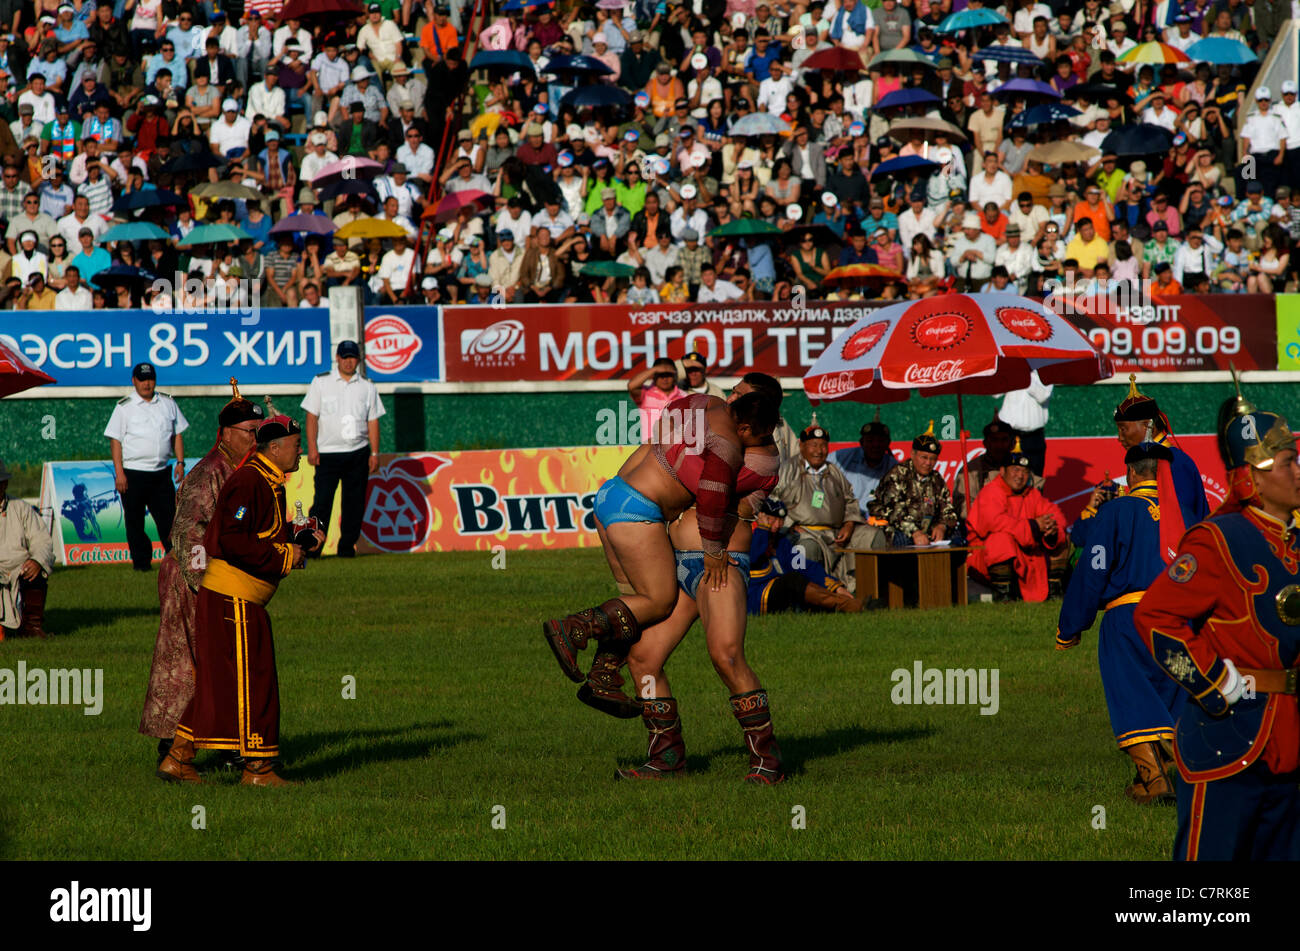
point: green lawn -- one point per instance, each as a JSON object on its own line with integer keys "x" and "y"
{"x": 461, "y": 708}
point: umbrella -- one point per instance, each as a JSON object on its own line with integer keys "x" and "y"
{"x": 1008, "y": 54}
{"x": 834, "y": 57}
{"x": 1221, "y": 50}
{"x": 298, "y": 223}
{"x": 133, "y": 231}
{"x": 578, "y": 64}
{"x": 902, "y": 129}
{"x": 214, "y": 234}
{"x": 345, "y": 186}
{"x": 149, "y": 198}
{"x": 450, "y": 205}
{"x": 371, "y": 228}
{"x": 904, "y": 163}
{"x": 123, "y": 275}
{"x": 226, "y": 190}
{"x": 17, "y": 373}
{"x": 595, "y": 96}
{"x": 1058, "y": 153}
{"x": 1142, "y": 139}
{"x": 1154, "y": 53}
{"x": 856, "y": 274}
{"x": 744, "y": 228}
{"x": 1044, "y": 115}
{"x": 192, "y": 162}
{"x": 347, "y": 169}
{"x": 820, "y": 234}
{"x": 320, "y": 9}
{"x": 501, "y": 59}
{"x": 1026, "y": 87}
{"x": 906, "y": 97}
{"x": 902, "y": 57}
{"x": 512, "y": 5}
{"x": 958, "y": 344}
{"x": 760, "y": 123}
{"x": 606, "y": 269}
{"x": 968, "y": 19}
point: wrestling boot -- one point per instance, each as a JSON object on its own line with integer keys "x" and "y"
{"x": 754, "y": 715}
{"x": 569, "y": 636}
{"x": 178, "y": 765}
{"x": 164, "y": 747}
{"x": 1002, "y": 578}
{"x": 604, "y": 687}
{"x": 667, "y": 751}
{"x": 1151, "y": 784}
{"x": 226, "y": 761}
{"x": 33, "y": 613}
{"x": 264, "y": 772}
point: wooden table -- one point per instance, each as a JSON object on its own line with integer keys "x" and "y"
{"x": 929, "y": 577}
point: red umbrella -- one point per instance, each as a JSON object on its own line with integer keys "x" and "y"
{"x": 318, "y": 9}
{"x": 17, "y": 373}
{"x": 834, "y": 57}
{"x": 854, "y": 274}
{"x": 953, "y": 344}
{"x": 347, "y": 169}
{"x": 450, "y": 205}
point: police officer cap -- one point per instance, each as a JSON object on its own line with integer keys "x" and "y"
{"x": 144, "y": 371}
{"x": 348, "y": 348}
{"x": 926, "y": 441}
{"x": 1148, "y": 450}
{"x": 1136, "y": 406}
{"x": 997, "y": 428}
{"x": 1255, "y": 439}
{"x": 813, "y": 432}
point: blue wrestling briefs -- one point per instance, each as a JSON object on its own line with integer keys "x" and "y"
{"x": 619, "y": 502}
{"x": 690, "y": 568}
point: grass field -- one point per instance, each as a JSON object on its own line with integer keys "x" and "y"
{"x": 461, "y": 708}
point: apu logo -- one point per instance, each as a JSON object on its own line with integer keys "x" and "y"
{"x": 863, "y": 340}
{"x": 497, "y": 345}
{"x": 391, "y": 344}
{"x": 941, "y": 331}
{"x": 1025, "y": 324}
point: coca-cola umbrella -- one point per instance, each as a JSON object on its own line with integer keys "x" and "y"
{"x": 958, "y": 344}
{"x": 17, "y": 373}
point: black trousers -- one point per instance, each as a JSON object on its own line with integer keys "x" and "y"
{"x": 1034, "y": 445}
{"x": 154, "y": 491}
{"x": 353, "y": 470}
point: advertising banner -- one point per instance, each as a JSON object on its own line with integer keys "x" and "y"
{"x": 1288, "y": 331}
{"x": 99, "y": 348}
{"x": 1185, "y": 333}
{"x": 403, "y": 344}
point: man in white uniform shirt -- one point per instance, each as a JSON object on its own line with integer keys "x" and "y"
{"x": 143, "y": 433}
{"x": 343, "y": 410}
{"x": 1264, "y": 137}
{"x": 1025, "y": 411}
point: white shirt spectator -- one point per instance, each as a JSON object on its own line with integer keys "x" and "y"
{"x": 1018, "y": 262}
{"x": 282, "y": 36}
{"x": 145, "y": 430}
{"x": 977, "y": 270}
{"x": 397, "y": 267}
{"x": 910, "y": 225}
{"x": 263, "y": 101}
{"x": 720, "y": 292}
{"x": 997, "y": 191}
{"x": 379, "y": 44}
{"x": 330, "y": 73}
{"x": 313, "y": 163}
{"x": 418, "y": 162}
{"x": 1265, "y": 132}
{"x": 520, "y": 227}
{"x": 70, "y": 227}
{"x": 406, "y": 193}
{"x": 344, "y": 409}
{"x": 68, "y": 299}
{"x": 679, "y": 221}
{"x": 42, "y": 106}
{"x": 1023, "y": 22}
{"x": 1026, "y": 410}
{"x": 561, "y": 223}
{"x": 772, "y": 94}
{"x": 1189, "y": 261}
{"x": 1165, "y": 118}
{"x": 230, "y": 135}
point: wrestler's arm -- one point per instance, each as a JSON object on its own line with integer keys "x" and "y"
{"x": 246, "y": 515}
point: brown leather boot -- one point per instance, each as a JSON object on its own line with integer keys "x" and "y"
{"x": 1002, "y": 579}
{"x": 264, "y": 772}
{"x": 604, "y": 687}
{"x": 33, "y": 613}
{"x": 1151, "y": 784}
{"x": 178, "y": 765}
{"x": 568, "y": 636}
{"x": 820, "y": 597}
{"x": 667, "y": 751}
{"x": 754, "y": 714}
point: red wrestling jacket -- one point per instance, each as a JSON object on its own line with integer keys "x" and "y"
{"x": 249, "y": 540}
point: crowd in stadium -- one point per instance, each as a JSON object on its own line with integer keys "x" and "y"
{"x": 647, "y": 152}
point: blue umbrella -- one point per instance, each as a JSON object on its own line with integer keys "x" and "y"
{"x": 512, "y": 5}
{"x": 906, "y": 97}
{"x": 968, "y": 19}
{"x": 501, "y": 59}
{"x": 578, "y": 64}
{"x": 1143, "y": 139}
{"x": 149, "y": 198}
{"x": 596, "y": 95}
{"x": 1045, "y": 114}
{"x": 904, "y": 163}
{"x": 1221, "y": 50}
{"x": 1030, "y": 87}
{"x": 133, "y": 277}
{"x": 355, "y": 186}
{"x": 133, "y": 231}
{"x": 760, "y": 123}
{"x": 1008, "y": 54}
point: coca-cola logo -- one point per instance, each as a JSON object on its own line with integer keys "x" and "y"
{"x": 391, "y": 344}
{"x": 941, "y": 331}
{"x": 930, "y": 374}
{"x": 836, "y": 384}
{"x": 1025, "y": 324}
{"x": 861, "y": 341}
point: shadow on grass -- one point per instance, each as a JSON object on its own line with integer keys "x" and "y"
{"x": 65, "y": 622}
{"x": 366, "y": 747}
{"x": 796, "y": 751}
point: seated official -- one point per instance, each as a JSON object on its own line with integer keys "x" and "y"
{"x": 822, "y": 508}
{"x": 987, "y": 466}
{"x": 26, "y": 559}
{"x": 912, "y": 499}
{"x": 865, "y": 464}
{"x": 782, "y": 577}
{"x": 1023, "y": 535}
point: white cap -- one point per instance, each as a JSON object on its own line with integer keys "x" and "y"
{"x": 829, "y": 199}
{"x": 689, "y": 190}
{"x": 430, "y": 283}
{"x": 229, "y": 105}
{"x": 359, "y": 73}
{"x": 1288, "y": 86}
{"x": 320, "y": 119}
{"x": 970, "y": 220}
{"x": 1263, "y": 93}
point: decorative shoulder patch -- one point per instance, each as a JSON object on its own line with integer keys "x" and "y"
{"x": 1183, "y": 568}
{"x": 123, "y": 401}
{"x": 239, "y": 514}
